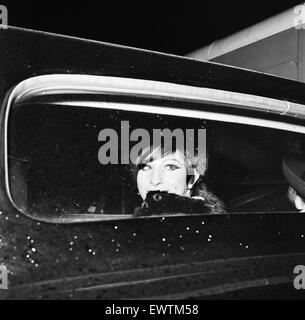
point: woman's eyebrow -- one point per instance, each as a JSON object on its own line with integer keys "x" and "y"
{"x": 172, "y": 159}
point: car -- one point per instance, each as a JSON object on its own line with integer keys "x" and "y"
{"x": 67, "y": 223}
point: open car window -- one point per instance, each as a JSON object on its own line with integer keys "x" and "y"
{"x": 64, "y": 164}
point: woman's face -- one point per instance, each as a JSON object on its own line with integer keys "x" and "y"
{"x": 164, "y": 174}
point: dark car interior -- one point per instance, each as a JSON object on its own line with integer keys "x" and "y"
{"x": 54, "y": 167}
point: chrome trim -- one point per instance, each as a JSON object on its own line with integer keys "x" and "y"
{"x": 91, "y": 84}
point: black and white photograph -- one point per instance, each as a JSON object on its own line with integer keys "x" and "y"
{"x": 152, "y": 153}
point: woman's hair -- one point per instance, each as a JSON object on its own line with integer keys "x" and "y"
{"x": 194, "y": 162}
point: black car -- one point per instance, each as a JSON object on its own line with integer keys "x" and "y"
{"x": 67, "y": 222}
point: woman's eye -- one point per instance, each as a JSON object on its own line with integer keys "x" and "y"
{"x": 171, "y": 167}
{"x": 144, "y": 167}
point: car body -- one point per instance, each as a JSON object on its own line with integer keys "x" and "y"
{"x": 248, "y": 253}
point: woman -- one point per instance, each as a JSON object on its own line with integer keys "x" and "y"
{"x": 175, "y": 176}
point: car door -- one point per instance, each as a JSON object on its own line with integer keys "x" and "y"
{"x": 67, "y": 222}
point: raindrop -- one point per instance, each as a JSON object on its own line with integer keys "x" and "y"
{"x": 202, "y": 222}
{"x": 187, "y": 228}
{"x": 197, "y": 231}
{"x": 34, "y": 249}
{"x": 115, "y": 227}
{"x": 163, "y": 239}
{"x": 182, "y": 248}
{"x": 134, "y": 234}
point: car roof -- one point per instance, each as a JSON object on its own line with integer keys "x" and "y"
{"x": 27, "y": 53}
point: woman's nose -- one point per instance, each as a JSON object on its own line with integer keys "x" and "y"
{"x": 156, "y": 177}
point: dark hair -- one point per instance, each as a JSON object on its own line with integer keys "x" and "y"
{"x": 200, "y": 189}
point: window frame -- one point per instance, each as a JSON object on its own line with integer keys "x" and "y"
{"x": 63, "y": 84}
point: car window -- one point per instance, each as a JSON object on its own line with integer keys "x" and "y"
{"x": 85, "y": 148}
{"x": 62, "y": 161}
